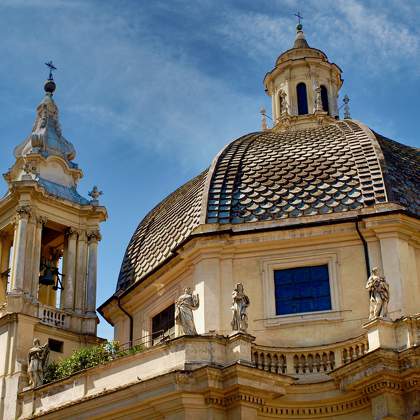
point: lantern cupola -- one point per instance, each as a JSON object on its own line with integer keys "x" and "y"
{"x": 303, "y": 86}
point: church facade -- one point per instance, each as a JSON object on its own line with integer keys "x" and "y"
{"x": 281, "y": 282}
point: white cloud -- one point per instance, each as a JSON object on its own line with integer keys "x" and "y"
{"x": 123, "y": 80}
{"x": 354, "y": 32}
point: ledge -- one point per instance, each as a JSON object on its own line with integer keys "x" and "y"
{"x": 186, "y": 353}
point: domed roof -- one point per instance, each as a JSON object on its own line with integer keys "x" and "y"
{"x": 280, "y": 178}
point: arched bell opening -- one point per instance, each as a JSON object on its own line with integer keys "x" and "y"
{"x": 50, "y": 279}
{"x": 324, "y": 99}
{"x": 302, "y": 99}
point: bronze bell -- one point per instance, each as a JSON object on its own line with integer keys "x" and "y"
{"x": 47, "y": 278}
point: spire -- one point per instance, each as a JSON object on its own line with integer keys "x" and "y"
{"x": 300, "y": 41}
{"x": 46, "y": 137}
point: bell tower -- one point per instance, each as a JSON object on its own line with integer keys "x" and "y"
{"x": 303, "y": 86}
{"x": 49, "y": 236}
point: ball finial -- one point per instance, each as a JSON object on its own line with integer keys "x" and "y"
{"x": 49, "y": 86}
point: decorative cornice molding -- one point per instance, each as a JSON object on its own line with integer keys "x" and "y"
{"x": 306, "y": 411}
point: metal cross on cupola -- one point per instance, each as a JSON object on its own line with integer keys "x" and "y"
{"x": 52, "y": 68}
{"x": 299, "y": 16}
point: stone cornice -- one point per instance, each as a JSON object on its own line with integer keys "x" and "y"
{"x": 38, "y": 193}
{"x": 381, "y": 371}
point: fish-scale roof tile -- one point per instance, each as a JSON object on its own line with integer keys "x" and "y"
{"x": 278, "y": 175}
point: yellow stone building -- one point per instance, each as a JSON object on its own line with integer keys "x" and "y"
{"x": 299, "y": 214}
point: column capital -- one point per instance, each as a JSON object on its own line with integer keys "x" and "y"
{"x": 93, "y": 236}
{"x": 72, "y": 233}
{"x": 23, "y": 212}
{"x": 41, "y": 221}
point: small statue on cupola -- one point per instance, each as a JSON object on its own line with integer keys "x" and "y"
{"x": 378, "y": 295}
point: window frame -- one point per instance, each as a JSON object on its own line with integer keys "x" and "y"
{"x": 159, "y": 337}
{"x": 270, "y": 265}
{"x": 281, "y": 284}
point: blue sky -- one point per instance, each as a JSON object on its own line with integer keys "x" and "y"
{"x": 149, "y": 91}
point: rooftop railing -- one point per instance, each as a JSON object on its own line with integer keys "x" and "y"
{"x": 311, "y": 363}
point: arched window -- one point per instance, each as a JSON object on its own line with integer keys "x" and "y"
{"x": 324, "y": 99}
{"x": 302, "y": 99}
{"x": 280, "y": 103}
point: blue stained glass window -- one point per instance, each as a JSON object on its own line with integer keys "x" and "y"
{"x": 302, "y": 289}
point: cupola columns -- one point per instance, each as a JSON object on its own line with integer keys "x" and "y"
{"x": 303, "y": 83}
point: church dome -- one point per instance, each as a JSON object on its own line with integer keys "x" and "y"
{"x": 276, "y": 179}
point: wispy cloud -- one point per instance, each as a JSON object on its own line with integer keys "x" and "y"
{"x": 132, "y": 85}
{"x": 354, "y": 32}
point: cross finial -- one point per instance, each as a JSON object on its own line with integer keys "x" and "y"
{"x": 299, "y": 16}
{"x": 52, "y": 68}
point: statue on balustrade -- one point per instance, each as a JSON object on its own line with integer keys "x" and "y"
{"x": 378, "y": 295}
{"x": 184, "y": 307}
{"x": 240, "y": 303}
{"x": 37, "y": 363}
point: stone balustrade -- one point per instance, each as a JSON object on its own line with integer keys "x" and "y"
{"x": 53, "y": 316}
{"x": 309, "y": 362}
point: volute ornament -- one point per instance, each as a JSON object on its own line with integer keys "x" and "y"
{"x": 378, "y": 295}
{"x": 184, "y": 307}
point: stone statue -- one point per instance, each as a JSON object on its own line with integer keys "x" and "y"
{"x": 184, "y": 307}
{"x": 240, "y": 303}
{"x": 318, "y": 99}
{"x": 37, "y": 363}
{"x": 378, "y": 295}
{"x": 284, "y": 108}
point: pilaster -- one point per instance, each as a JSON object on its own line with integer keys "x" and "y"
{"x": 70, "y": 273}
{"x": 93, "y": 238}
{"x": 79, "y": 303}
{"x": 29, "y": 257}
{"x": 36, "y": 258}
{"x": 19, "y": 248}
{"x": 207, "y": 285}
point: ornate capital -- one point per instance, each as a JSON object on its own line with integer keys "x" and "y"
{"x": 23, "y": 212}
{"x": 41, "y": 221}
{"x": 71, "y": 232}
{"x": 93, "y": 236}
